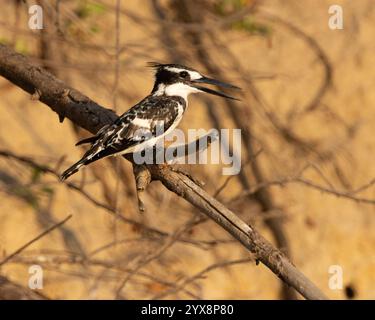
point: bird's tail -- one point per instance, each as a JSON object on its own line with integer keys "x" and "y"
{"x": 92, "y": 155}
{"x": 73, "y": 169}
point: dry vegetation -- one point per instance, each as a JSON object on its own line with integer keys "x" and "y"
{"x": 307, "y": 181}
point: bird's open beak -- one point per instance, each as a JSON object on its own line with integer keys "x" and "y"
{"x": 216, "y": 83}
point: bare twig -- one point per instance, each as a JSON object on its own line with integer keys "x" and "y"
{"x": 321, "y": 55}
{"x": 350, "y": 195}
{"x": 45, "y": 232}
{"x": 54, "y": 261}
{"x": 156, "y": 254}
{"x": 111, "y": 210}
{"x": 13, "y": 291}
{"x": 199, "y": 275}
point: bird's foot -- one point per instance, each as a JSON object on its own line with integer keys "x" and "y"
{"x": 142, "y": 180}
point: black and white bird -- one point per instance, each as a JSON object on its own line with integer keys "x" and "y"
{"x": 138, "y": 128}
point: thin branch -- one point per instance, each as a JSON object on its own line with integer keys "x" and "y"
{"x": 56, "y": 261}
{"x": 350, "y": 195}
{"x": 321, "y": 55}
{"x": 172, "y": 239}
{"x": 153, "y": 231}
{"x": 199, "y": 275}
{"x": 13, "y": 291}
{"x": 44, "y": 233}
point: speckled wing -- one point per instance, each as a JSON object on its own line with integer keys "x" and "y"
{"x": 146, "y": 120}
{"x": 150, "y": 118}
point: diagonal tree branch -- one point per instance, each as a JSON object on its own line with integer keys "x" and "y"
{"x": 27, "y": 244}
{"x": 14, "y": 291}
{"x": 84, "y": 112}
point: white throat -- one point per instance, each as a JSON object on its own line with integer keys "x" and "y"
{"x": 177, "y": 89}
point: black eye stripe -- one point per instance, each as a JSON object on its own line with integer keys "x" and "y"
{"x": 184, "y": 74}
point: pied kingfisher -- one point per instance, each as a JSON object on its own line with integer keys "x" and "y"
{"x": 137, "y": 128}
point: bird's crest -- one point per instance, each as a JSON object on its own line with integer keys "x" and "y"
{"x": 154, "y": 65}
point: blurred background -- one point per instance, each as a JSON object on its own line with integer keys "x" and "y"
{"x": 307, "y": 118}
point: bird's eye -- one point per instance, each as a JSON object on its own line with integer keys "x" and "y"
{"x": 184, "y": 74}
